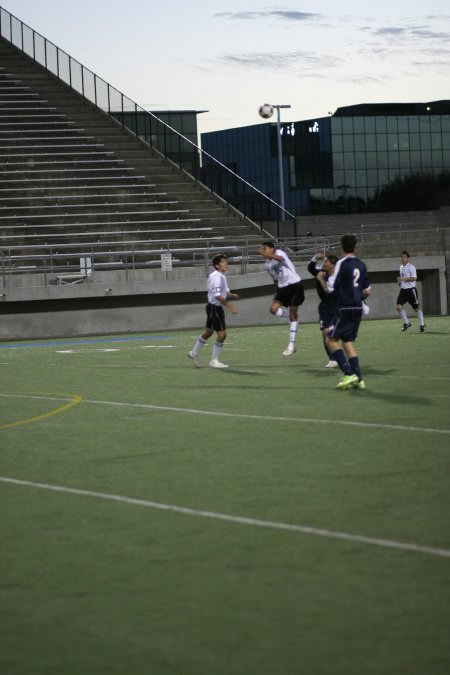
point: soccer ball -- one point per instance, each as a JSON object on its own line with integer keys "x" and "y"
{"x": 265, "y": 110}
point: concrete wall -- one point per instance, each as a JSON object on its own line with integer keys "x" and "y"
{"x": 160, "y": 301}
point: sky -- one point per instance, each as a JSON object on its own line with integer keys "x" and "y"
{"x": 227, "y": 57}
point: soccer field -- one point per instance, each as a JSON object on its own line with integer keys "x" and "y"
{"x": 159, "y": 519}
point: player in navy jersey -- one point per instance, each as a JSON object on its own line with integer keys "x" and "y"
{"x": 350, "y": 284}
{"x": 327, "y": 305}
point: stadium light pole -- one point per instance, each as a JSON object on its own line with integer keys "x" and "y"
{"x": 266, "y": 111}
{"x": 280, "y": 157}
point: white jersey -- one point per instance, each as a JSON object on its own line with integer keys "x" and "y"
{"x": 217, "y": 285}
{"x": 282, "y": 271}
{"x": 408, "y": 270}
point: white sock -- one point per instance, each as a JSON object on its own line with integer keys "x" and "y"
{"x": 282, "y": 311}
{"x": 198, "y": 345}
{"x": 421, "y": 320}
{"x": 404, "y": 316}
{"x": 217, "y": 350}
{"x": 293, "y": 327}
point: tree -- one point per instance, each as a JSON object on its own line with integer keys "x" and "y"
{"x": 417, "y": 192}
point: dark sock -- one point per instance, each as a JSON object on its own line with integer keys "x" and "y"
{"x": 330, "y": 353}
{"x": 354, "y": 366}
{"x": 339, "y": 356}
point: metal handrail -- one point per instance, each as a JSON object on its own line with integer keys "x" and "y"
{"x": 200, "y": 165}
{"x": 48, "y": 260}
{"x": 3, "y": 268}
{"x": 51, "y": 264}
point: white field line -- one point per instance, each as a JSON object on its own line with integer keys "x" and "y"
{"x": 214, "y": 413}
{"x": 231, "y": 349}
{"x": 83, "y": 351}
{"x": 115, "y": 349}
{"x": 239, "y": 520}
{"x": 304, "y": 420}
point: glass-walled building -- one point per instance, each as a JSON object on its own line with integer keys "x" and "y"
{"x": 338, "y": 162}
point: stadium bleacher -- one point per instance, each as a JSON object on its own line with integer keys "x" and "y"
{"x": 75, "y": 183}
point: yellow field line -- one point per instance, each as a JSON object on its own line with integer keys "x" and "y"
{"x": 37, "y": 418}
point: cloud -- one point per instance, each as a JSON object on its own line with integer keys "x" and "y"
{"x": 409, "y": 31}
{"x": 438, "y": 17}
{"x": 429, "y": 34}
{"x": 367, "y": 79}
{"x": 426, "y": 64}
{"x": 282, "y": 60}
{"x": 284, "y": 14}
{"x": 438, "y": 51}
{"x": 390, "y": 30}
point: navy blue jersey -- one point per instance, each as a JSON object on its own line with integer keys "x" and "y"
{"x": 349, "y": 280}
{"x": 326, "y": 298}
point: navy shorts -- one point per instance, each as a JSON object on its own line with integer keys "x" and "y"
{"x": 346, "y": 323}
{"x": 215, "y": 317}
{"x": 326, "y": 315}
{"x": 408, "y": 295}
{"x": 292, "y": 295}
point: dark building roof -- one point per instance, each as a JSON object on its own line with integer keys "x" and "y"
{"x": 368, "y": 109}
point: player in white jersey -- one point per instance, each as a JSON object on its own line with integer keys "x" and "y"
{"x": 218, "y": 296}
{"x": 289, "y": 289}
{"x": 408, "y": 293}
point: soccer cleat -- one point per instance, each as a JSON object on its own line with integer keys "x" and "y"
{"x": 332, "y": 364}
{"x": 290, "y": 349}
{"x": 347, "y": 382}
{"x": 359, "y": 385}
{"x": 422, "y": 328}
{"x": 215, "y": 363}
{"x": 406, "y": 326}
{"x": 194, "y": 359}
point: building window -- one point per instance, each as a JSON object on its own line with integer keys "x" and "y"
{"x": 360, "y": 160}
{"x": 391, "y": 125}
{"x": 349, "y": 160}
{"x": 393, "y": 160}
{"x": 371, "y": 142}
{"x": 337, "y": 143}
{"x": 360, "y": 143}
{"x": 347, "y": 125}
{"x": 392, "y": 140}
{"x": 348, "y": 142}
{"x": 380, "y": 125}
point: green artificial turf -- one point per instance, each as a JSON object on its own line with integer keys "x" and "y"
{"x": 91, "y": 585}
